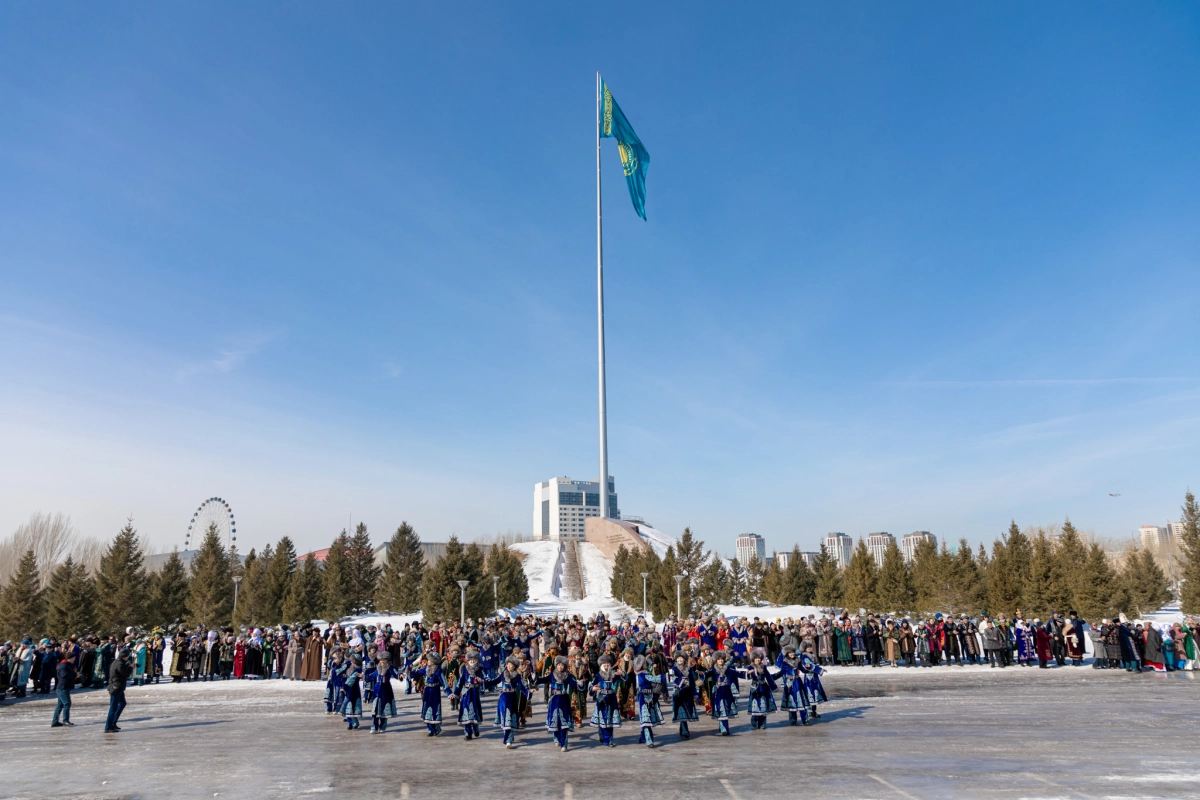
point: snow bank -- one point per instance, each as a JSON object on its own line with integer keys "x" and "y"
{"x": 769, "y": 613}
{"x": 543, "y": 568}
{"x": 597, "y": 572}
{"x": 656, "y": 539}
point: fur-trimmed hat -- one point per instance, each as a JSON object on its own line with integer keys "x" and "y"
{"x": 639, "y": 663}
{"x": 560, "y": 660}
{"x": 606, "y": 659}
{"x": 433, "y": 659}
{"x": 384, "y": 655}
{"x": 512, "y": 662}
{"x": 472, "y": 653}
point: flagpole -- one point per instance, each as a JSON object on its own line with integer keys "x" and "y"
{"x": 600, "y": 321}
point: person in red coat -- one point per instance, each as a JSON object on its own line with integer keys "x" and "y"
{"x": 1041, "y": 639}
{"x": 239, "y": 657}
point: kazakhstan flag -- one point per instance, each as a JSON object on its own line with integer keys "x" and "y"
{"x": 634, "y": 157}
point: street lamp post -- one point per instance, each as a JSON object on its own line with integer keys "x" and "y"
{"x": 678, "y": 597}
{"x": 462, "y": 617}
{"x": 496, "y": 593}
{"x": 237, "y": 579}
{"x": 644, "y": 576}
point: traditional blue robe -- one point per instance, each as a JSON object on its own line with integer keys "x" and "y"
{"x": 761, "y": 700}
{"x": 470, "y": 711}
{"x": 812, "y": 679}
{"x": 605, "y": 713}
{"x": 724, "y": 703}
{"x": 740, "y": 640}
{"x": 511, "y": 687}
{"x": 381, "y": 689}
{"x": 795, "y": 695}
{"x": 431, "y": 696}
{"x": 682, "y": 686}
{"x": 352, "y": 699}
{"x": 558, "y": 707}
{"x": 649, "y": 714}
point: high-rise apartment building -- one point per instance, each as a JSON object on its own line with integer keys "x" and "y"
{"x": 878, "y": 544}
{"x": 840, "y": 546}
{"x": 751, "y": 545}
{"x": 1154, "y": 536}
{"x": 1175, "y": 530}
{"x": 908, "y": 545}
{"x": 561, "y": 506}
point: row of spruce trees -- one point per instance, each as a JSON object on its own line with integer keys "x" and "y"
{"x": 275, "y": 586}
{"x": 1035, "y": 573}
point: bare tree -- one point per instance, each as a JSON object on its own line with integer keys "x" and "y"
{"x": 50, "y": 536}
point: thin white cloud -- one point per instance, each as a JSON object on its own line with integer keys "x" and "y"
{"x": 230, "y": 357}
{"x": 1018, "y": 382}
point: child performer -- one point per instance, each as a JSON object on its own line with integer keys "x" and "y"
{"x": 559, "y": 687}
{"x": 724, "y": 683}
{"x": 795, "y": 696}
{"x": 352, "y": 699}
{"x": 489, "y": 659}
{"x": 681, "y": 680}
{"x": 431, "y": 695}
{"x": 607, "y": 713}
{"x": 466, "y": 689}
{"x": 762, "y": 687}
{"x": 511, "y": 689}
{"x": 648, "y": 687}
{"x": 381, "y": 689}
{"x": 812, "y": 680}
{"x": 334, "y": 687}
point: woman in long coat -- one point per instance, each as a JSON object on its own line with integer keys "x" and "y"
{"x": 314, "y": 657}
{"x": 295, "y": 658}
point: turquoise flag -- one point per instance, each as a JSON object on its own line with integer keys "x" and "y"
{"x": 634, "y": 157}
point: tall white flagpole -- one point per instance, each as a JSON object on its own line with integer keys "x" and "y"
{"x": 600, "y": 320}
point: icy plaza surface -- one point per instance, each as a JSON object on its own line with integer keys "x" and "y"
{"x": 886, "y": 733}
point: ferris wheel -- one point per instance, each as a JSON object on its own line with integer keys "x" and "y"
{"x": 213, "y": 511}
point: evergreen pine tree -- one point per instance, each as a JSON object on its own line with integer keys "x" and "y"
{"x": 828, "y": 590}
{"x": 249, "y": 609}
{"x": 304, "y": 597}
{"x": 859, "y": 579}
{"x": 364, "y": 572}
{"x": 799, "y": 581}
{"x": 925, "y": 576}
{"x": 1145, "y": 584}
{"x": 970, "y": 595}
{"x": 22, "y": 603}
{"x": 691, "y": 559}
{"x": 773, "y": 589}
{"x": 121, "y": 583}
{"x": 277, "y": 582}
{"x": 441, "y": 593}
{"x": 400, "y": 584}
{"x": 1071, "y": 553}
{"x": 754, "y": 576}
{"x": 661, "y": 586}
{"x": 714, "y": 579}
{"x": 619, "y": 583}
{"x": 1007, "y": 574}
{"x": 1097, "y": 586}
{"x": 71, "y": 600}
{"x": 513, "y": 587}
{"x": 1189, "y": 556}
{"x": 892, "y": 589}
{"x": 336, "y": 580}
{"x": 735, "y": 591}
{"x": 210, "y": 590}
{"x": 168, "y": 598}
{"x": 1046, "y": 589}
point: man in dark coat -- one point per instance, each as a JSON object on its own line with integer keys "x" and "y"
{"x": 66, "y": 682}
{"x": 118, "y": 674}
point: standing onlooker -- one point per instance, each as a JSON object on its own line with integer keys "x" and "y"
{"x": 65, "y": 674}
{"x": 118, "y": 674}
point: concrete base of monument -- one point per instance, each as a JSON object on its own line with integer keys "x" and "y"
{"x": 1069, "y": 732}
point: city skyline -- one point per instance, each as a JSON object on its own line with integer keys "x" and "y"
{"x": 889, "y": 279}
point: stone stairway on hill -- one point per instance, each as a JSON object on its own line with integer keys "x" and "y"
{"x": 572, "y": 574}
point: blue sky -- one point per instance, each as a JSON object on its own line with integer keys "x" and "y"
{"x": 907, "y": 266}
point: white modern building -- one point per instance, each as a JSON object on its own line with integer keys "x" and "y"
{"x": 1154, "y": 536}
{"x": 908, "y": 545}
{"x": 751, "y": 545}
{"x": 1175, "y": 530}
{"x": 878, "y": 544}
{"x": 561, "y": 506}
{"x": 840, "y": 546}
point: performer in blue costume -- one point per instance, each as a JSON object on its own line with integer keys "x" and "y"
{"x": 762, "y": 686}
{"x": 489, "y": 659}
{"x": 606, "y": 713}
{"x": 649, "y": 687}
{"x": 738, "y": 642}
{"x": 511, "y": 688}
{"x": 795, "y": 697}
{"x": 560, "y": 684}
{"x": 812, "y": 672}
{"x": 725, "y": 684}
{"x": 352, "y": 699}
{"x": 384, "y": 699}
{"x": 431, "y": 695}
{"x": 335, "y": 685}
{"x": 681, "y": 682}
{"x": 471, "y": 681}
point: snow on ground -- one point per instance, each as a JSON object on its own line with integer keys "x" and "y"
{"x": 656, "y": 539}
{"x": 543, "y": 569}
{"x": 597, "y": 571}
{"x": 397, "y": 621}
